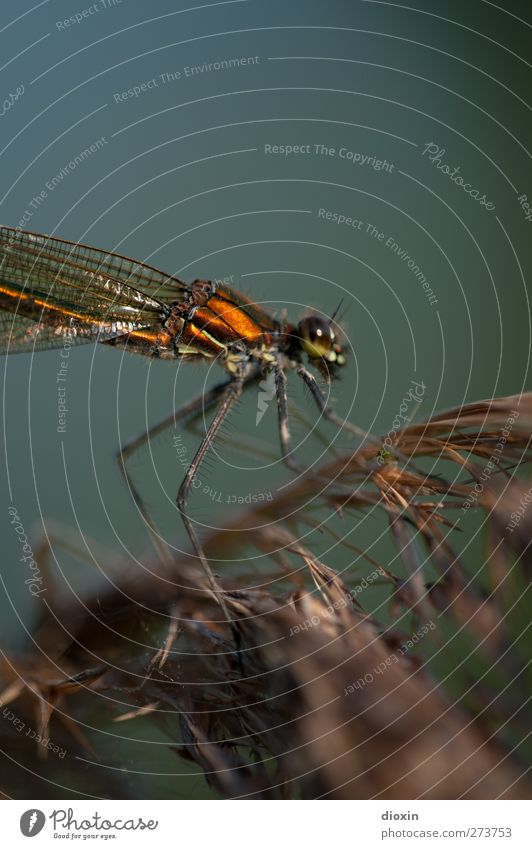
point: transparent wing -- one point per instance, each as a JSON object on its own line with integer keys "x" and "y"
{"x": 85, "y": 270}
{"x": 64, "y": 288}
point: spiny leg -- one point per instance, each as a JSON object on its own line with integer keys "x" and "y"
{"x": 192, "y": 408}
{"x": 329, "y": 414}
{"x": 287, "y": 450}
{"x": 326, "y": 411}
{"x": 231, "y": 393}
{"x": 284, "y": 430}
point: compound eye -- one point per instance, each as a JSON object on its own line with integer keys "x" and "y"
{"x": 318, "y": 340}
{"x": 317, "y": 336}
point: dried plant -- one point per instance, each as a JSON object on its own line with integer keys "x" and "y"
{"x": 425, "y": 698}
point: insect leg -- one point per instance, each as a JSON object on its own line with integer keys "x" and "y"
{"x": 284, "y": 430}
{"x": 192, "y": 408}
{"x": 329, "y": 414}
{"x": 326, "y": 411}
{"x": 231, "y": 392}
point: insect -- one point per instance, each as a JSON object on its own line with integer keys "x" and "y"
{"x": 52, "y": 288}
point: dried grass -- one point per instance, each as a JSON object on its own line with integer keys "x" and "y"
{"x": 319, "y": 701}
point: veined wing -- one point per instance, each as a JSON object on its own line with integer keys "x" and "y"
{"x": 74, "y": 290}
{"x": 76, "y": 261}
{"x": 19, "y": 334}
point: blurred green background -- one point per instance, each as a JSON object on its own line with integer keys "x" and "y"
{"x": 185, "y": 178}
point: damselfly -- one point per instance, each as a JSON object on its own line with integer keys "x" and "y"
{"x": 52, "y": 288}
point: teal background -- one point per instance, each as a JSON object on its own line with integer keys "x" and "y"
{"x": 183, "y": 182}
